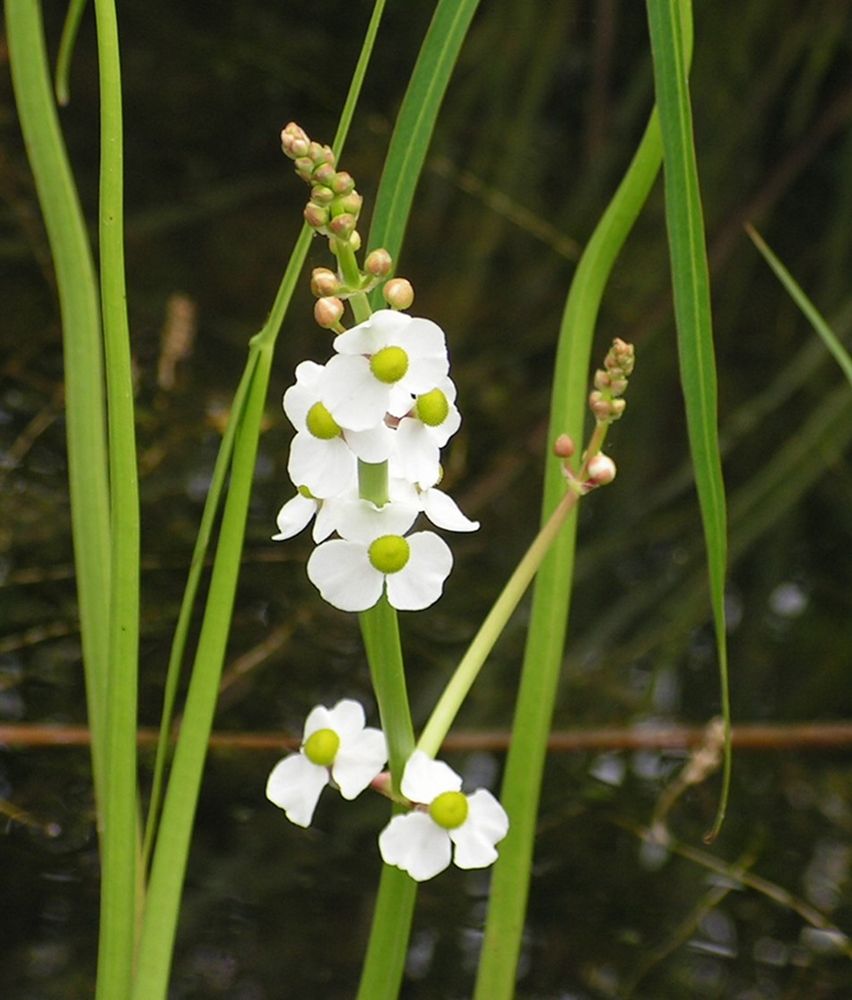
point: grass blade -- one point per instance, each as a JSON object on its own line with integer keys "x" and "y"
{"x": 691, "y": 288}
{"x": 809, "y": 310}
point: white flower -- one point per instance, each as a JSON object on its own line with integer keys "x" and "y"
{"x": 335, "y": 740}
{"x": 296, "y": 514}
{"x": 438, "y": 506}
{"x": 323, "y": 453}
{"x": 382, "y": 364}
{"x": 420, "y": 435}
{"x": 464, "y": 826}
{"x": 352, "y": 571}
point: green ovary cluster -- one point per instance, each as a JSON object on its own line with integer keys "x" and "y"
{"x": 321, "y": 423}
{"x": 389, "y": 553}
{"x": 389, "y": 364}
{"x": 432, "y": 408}
{"x": 449, "y": 810}
{"x": 321, "y": 747}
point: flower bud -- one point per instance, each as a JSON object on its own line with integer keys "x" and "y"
{"x": 563, "y": 446}
{"x": 342, "y": 183}
{"x": 324, "y": 282}
{"x": 342, "y": 226}
{"x": 323, "y": 174}
{"x": 328, "y": 311}
{"x": 294, "y": 141}
{"x": 355, "y": 240}
{"x": 315, "y": 215}
{"x": 322, "y": 195}
{"x": 601, "y": 469}
{"x": 351, "y": 203}
{"x": 378, "y": 263}
{"x": 398, "y": 293}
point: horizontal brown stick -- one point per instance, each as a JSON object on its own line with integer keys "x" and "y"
{"x": 778, "y": 736}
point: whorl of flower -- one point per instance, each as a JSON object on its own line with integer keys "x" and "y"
{"x": 444, "y": 825}
{"x": 336, "y": 746}
{"x": 383, "y": 399}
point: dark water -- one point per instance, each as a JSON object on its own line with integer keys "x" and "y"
{"x": 272, "y": 911}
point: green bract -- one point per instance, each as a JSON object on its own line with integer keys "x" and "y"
{"x": 389, "y": 553}
{"x": 389, "y": 364}
{"x": 321, "y": 423}
{"x": 321, "y": 747}
{"x": 449, "y": 810}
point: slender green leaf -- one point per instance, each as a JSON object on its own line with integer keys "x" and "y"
{"x": 415, "y": 124}
{"x": 172, "y": 846}
{"x": 810, "y": 311}
{"x": 691, "y": 288}
{"x": 551, "y": 598}
{"x": 85, "y": 403}
{"x": 66, "y": 49}
{"x": 173, "y": 839}
{"x": 119, "y": 875}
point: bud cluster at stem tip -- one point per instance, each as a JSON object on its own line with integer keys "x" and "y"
{"x": 605, "y": 399}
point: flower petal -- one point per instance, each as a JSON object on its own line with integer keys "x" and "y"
{"x": 424, "y": 779}
{"x": 325, "y": 467}
{"x": 347, "y": 718}
{"x": 294, "y": 785}
{"x": 364, "y": 522}
{"x": 343, "y": 574}
{"x": 352, "y": 394}
{"x": 360, "y": 759}
{"x": 420, "y": 582}
{"x": 444, "y": 512}
{"x": 293, "y": 516}
{"x": 299, "y": 398}
{"x": 415, "y": 844}
{"x": 486, "y": 825}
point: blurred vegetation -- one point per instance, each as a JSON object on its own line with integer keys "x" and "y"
{"x": 539, "y": 123}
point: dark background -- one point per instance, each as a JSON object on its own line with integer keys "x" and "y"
{"x": 542, "y": 116}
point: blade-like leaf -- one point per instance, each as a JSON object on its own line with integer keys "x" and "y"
{"x": 691, "y": 289}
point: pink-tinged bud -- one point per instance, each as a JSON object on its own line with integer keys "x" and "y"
{"x": 328, "y": 312}
{"x": 323, "y": 174}
{"x": 563, "y": 446}
{"x": 378, "y": 263}
{"x": 304, "y": 168}
{"x": 601, "y": 469}
{"x": 324, "y": 282}
{"x": 618, "y": 386}
{"x": 618, "y": 407}
{"x": 602, "y": 379}
{"x": 398, "y": 293}
{"x": 320, "y": 154}
{"x": 294, "y": 141}
{"x": 342, "y": 226}
{"x": 321, "y": 195}
{"x": 600, "y": 407}
{"x": 351, "y": 203}
{"x": 342, "y": 183}
{"x": 316, "y": 216}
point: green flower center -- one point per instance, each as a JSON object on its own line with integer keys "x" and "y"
{"x": 433, "y": 407}
{"x": 306, "y": 493}
{"x": 389, "y": 364}
{"x": 389, "y": 553}
{"x": 449, "y": 810}
{"x": 321, "y": 423}
{"x": 321, "y": 747}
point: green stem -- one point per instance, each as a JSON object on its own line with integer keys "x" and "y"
{"x": 119, "y": 877}
{"x": 468, "y": 669}
{"x": 543, "y": 657}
